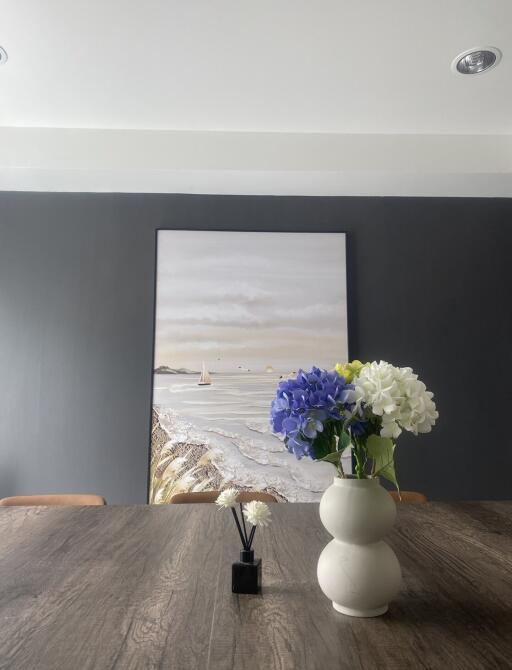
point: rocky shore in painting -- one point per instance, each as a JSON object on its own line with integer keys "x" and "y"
{"x": 166, "y": 370}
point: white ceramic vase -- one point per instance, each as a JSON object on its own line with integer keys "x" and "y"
{"x": 357, "y": 570}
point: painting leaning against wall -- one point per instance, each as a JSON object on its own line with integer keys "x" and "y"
{"x": 236, "y": 312}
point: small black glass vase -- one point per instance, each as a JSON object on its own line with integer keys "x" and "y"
{"x": 246, "y": 573}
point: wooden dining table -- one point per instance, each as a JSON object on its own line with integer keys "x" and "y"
{"x": 150, "y": 587}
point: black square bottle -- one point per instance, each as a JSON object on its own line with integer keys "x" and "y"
{"x": 246, "y": 574}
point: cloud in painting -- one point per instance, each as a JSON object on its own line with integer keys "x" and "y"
{"x": 266, "y": 296}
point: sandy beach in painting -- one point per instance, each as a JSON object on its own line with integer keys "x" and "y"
{"x": 228, "y": 306}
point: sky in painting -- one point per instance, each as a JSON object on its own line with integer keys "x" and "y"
{"x": 245, "y": 301}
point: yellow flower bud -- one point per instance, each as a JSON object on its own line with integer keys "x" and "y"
{"x": 349, "y": 370}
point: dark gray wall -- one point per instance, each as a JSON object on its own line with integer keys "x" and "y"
{"x": 429, "y": 283}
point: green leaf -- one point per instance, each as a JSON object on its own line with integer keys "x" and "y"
{"x": 381, "y": 450}
{"x": 332, "y": 442}
{"x": 322, "y": 445}
{"x": 344, "y": 441}
{"x": 333, "y": 457}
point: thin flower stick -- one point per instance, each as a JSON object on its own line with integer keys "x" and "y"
{"x": 244, "y": 539}
{"x": 245, "y": 527}
{"x": 251, "y": 537}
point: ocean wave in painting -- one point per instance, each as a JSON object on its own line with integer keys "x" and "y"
{"x": 217, "y": 435}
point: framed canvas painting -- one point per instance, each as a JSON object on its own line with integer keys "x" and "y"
{"x": 236, "y": 312}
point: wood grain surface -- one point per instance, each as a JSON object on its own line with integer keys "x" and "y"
{"x": 149, "y": 587}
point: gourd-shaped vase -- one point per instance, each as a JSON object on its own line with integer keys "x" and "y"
{"x": 357, "y": 570}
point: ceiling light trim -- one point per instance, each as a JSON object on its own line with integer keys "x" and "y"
{"x": 493, "y": 50}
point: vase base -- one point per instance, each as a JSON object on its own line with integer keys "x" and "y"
{"x": 360, "y": 613}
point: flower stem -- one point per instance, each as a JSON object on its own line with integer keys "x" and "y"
{"x": 360, "y": 456}
{"x": 244, "y": 540}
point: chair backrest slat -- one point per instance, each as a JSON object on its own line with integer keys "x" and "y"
{"x": 408, "y": 497}
{"x": 73, "y": 499}
{"x": 211, "y": 497}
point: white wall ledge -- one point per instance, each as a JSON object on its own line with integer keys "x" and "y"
{"x": 54, "y": 159}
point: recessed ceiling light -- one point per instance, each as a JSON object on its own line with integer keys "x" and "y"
{"x": 3, "y": 56}
{"x": 475, "y": 61}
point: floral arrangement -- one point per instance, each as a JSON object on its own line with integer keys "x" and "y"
{"x": 257, "y": 514}
{"x": 364, "y": 406}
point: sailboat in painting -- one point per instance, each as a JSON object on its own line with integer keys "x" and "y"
{"x": 205, "y": 379}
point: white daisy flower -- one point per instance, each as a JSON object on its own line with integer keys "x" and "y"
{"x": 227, "y": 498}
{"x": 257, "y": 513}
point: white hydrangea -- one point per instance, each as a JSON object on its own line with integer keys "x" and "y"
{"x": 398, "y": 396}
{"x": 257, "y": 513}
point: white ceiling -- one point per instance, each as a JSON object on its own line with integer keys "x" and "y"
{"x": 328, "y": 66}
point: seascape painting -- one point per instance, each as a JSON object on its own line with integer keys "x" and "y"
{"x": 236, "y": 312}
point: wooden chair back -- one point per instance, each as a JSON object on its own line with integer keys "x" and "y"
{"x": 54, "y": 499}
{"x": 211, "y": 497}
{"x": 408, "y": 497}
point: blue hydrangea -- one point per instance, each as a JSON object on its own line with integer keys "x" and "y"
{"x": 302, "y": 407}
